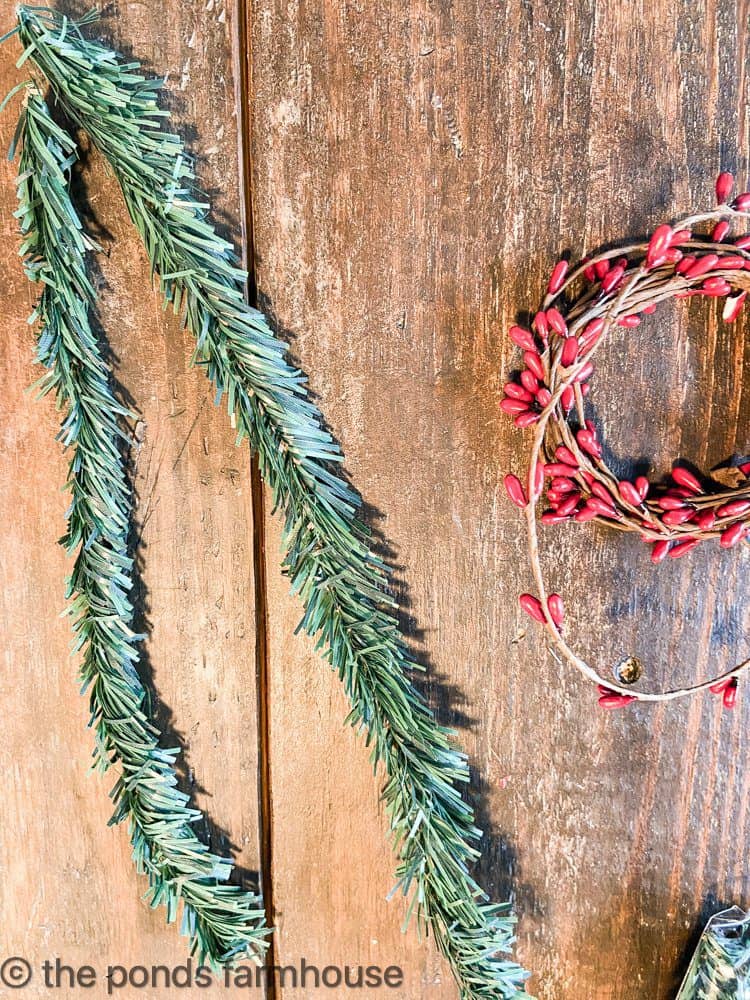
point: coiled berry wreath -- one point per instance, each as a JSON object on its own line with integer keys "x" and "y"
{"x": 616, "y": 288}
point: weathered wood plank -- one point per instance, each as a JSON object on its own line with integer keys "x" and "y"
{"x": 69, "y": 885}
{"x": 417, "y": 170}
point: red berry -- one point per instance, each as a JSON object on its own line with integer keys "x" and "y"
{"x": 673, "y": 518}
{"x": 542, "y": 326}
{"x": 733, "y": 509}
{"x": 659, "y": 243}
{"x": 544, "y": 397}
{"x": 629, "y": 493}
{"x": 515, "y": 491}
{"x": 706, "y": 520}
{"x": 630, "y": 321}
{"x": 732, "y": 306}
{"x": 556, "y": 322}
{"x": 557, "y": 469}
{"x": 569, "y": 352}
{"x": 556, "y": 609}
{"x": 557, "y": 278}
{"x": 683, "y": 477}
{"x": 554, "y": 517}
{"x": 563, "y": 485}
{"x": 591, "y": 334}
{"x": 659, "y": 551}
{"x": 569, "y": 504}
{"x": 534, "y": 364}
{"x": 612, "y": 278}
{"x": 615, "y": 700}
{"x": 585, "y": 514}
{"x": 587, "y": 442}
{"x": 526, "y": 419}
{"x": 532, "y": 606}
{"x": 682, "y": 548}
{"x": 730, "y": 694}
{"x": 720, "y": 231}
{"x": 701, "y": 265}
{"x": 522, "y": 338}
{"x": 601, "y": 491}
{"x": 564, "y": 454}
{"x": 716, "y": 286}
{"x": 724, "y": 185}
{"x": 601, "y": 508}
{"x": 671, "y": 503}
{"x": 731, "y": 262}
{"x": 516, "y": 391}
{"x": 731, "y": 536}
{"x": 513, "y": 406}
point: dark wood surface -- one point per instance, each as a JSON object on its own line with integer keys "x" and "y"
{"x": 416, "y": 171}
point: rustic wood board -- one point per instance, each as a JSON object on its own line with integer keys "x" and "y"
{"x": 417, "y": 170}
{"x": 69, "y": 887}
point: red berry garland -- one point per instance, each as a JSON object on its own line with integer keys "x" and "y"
{"x": 617, "y": 288}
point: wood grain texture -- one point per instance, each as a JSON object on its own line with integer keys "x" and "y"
{"x": 69, "y": 887}
{"x": 418, "y": 168}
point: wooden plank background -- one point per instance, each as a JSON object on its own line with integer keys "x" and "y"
{"x": 416, "y": 170}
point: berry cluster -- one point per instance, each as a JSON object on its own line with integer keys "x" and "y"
{"x": 617, "y": 288}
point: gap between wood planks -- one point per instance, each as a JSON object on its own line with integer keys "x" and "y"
{"x": 244, "y": 57}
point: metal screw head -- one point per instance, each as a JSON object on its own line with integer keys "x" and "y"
{"x": 628, "y": 670}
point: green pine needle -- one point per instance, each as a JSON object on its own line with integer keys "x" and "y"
{"x": 343, "y": 585}
{"x": 222, "y": 920}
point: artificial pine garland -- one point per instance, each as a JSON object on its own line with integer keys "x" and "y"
{"x": 222, "y": 920}
{"x": 720, "y": 968}
{"x": 343, "y": 585}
